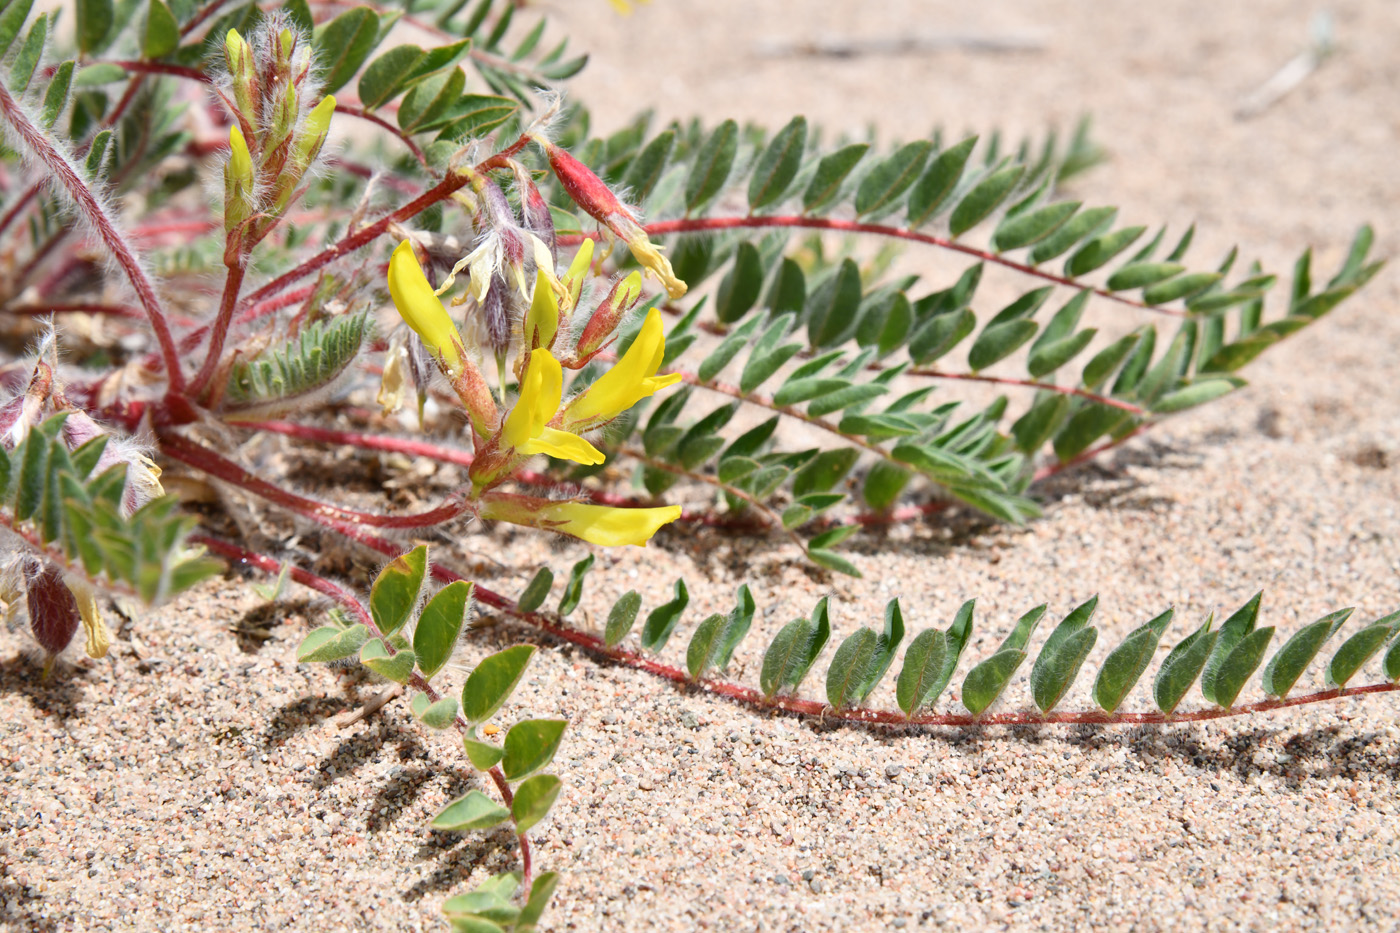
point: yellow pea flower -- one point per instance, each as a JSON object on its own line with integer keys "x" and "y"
{"x": 627, "y": 383}
{"x": 526, "y": 428}
{"x": 422, "y": 310}
{"x": 596, "y": 524}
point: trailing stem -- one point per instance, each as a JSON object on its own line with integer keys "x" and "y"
{"x": 815, "y": 709}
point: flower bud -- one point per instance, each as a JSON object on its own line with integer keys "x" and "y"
{"x": 238, "y": 181}
{"x": 609, "y": 314}
{"x": 577, "y": 272}
{"x": 590, "y": 193}
{"x": 53, "y": 611}
{"x": 240, "y": 68}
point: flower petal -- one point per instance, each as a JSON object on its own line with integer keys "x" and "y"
{"x": 563, "y": 445}
{"x": 421, "y": 309}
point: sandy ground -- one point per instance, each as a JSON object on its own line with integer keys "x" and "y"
{"x": 195, "y": 781}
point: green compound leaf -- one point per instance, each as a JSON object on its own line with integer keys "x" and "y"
{"x": 924, "y": 661}
{"x": 1290, "y": 661}
{"x": 1063, "y": 655}
{"x": 435, "y": 715}
{"x": 474, "y": 811}
{"x": 343, "y": 44}
{"x": 621, "y": 617}
{"x": 493, "y": 681}
{"x": 662, "y": 620}
{"x": 533, "y": 798}
{"x": 778, "y": 165}
{"x": 573, "y": 590}
{"x": 712, "y": 165}
{"x": 536, "y": 591}
{"x": 395, "y": 591}
{"x": 1358, "y": 649}
{"x": 1126, "y": 663}
{"x": 332, "y": 643}
{"x": 397, "y": 667}
{"x": 530, "y": 746}
{"x": 439, "y": 625}
{"x": 794, "y": 650}
{"x": 1182, "y": 666}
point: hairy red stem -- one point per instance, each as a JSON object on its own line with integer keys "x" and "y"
{"x": 202, "y": 458}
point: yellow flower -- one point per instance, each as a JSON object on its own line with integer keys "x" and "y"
{"x": 631, "y": 380}
{"x": 526, "y": 428}
{"x": 422, "y": 310}
{"x": 596, "y": 524}
{"x": 98, "y": 638}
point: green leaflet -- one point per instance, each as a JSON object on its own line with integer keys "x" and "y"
{"x": 1358, "y": 649}
{"x": 621, "y": 617}
{"x": 573, "y": 590}
{"x": 395, "y": 591}
{"x": 712, "y": 165}
{"x": 439, "y": 624}
{"x": 492, "y": 682}
{"x": 536, "y": 591}
{"x": 1181, "y": 668}
{"x": 1289, "y": 662}
{"x": 986, "y": 681}
{"x": 778, "y": 164}
{"x": 715, "y": 639}
{"x": 1060, "y": 660}
{"x": 530, "y": 747}
{"x": 662, "y": 620}
{"x": 474, "y": 811}
{"x": 794, "y": 650}
{"x": 1126, "y": 663}
{"x": 924, "y": 661}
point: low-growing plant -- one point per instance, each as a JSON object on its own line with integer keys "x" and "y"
{"x": 659, "y": 311}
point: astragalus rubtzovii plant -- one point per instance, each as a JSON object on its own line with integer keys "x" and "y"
{"x": 791, "y": 400}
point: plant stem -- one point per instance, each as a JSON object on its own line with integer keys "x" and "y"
{"x": 815, "y": 709}
{"x": 711, "y": 224}
{"x": 96, "y": 214}
{"x": 206, "y": 460}
{"x": 233, "y": 283}
{"x": 400, "y": 135}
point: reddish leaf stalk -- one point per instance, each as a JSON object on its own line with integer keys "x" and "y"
{"x": 712, "y": 224}
{"x": 400, "y": 135}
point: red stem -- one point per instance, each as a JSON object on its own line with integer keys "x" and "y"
{"x": 202, "y": 458}
{"x": 365, "y": 235}
{"x": 748, "y": 696}
{"x": 711, "y": 224}
{"x": 233, "y": 283}
{"x": 363, "y": 114}
{"x": 95, "y": 213}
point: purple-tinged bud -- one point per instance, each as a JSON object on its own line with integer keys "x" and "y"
{"x": 53, "y": 612}
{"x": 494, "y": 315}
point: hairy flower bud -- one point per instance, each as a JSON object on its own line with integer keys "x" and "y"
{"x": 53, "y": 611}
{"x": 239, "y": 57}
{"x": 609, "y": 314}
{"x": 590, "y": 193}
{"x": 238, "y": 181}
